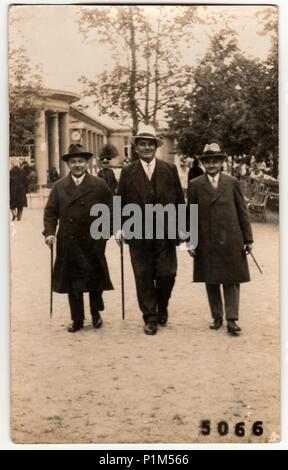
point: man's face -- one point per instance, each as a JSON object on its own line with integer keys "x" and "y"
{"x": 212, "y": 165}
{"x": 146, "y": 149}
{"x": 78, "y": 166}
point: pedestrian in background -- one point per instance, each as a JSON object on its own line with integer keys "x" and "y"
{"x": 195, "y": 170}
{"x": 18, "y": 191}
{"x": 107, "y": 174}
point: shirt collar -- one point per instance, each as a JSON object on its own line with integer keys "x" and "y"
{"x": 152, "y": 164}
{"x": 216, "y": 178}
{"x": 79, "y": 180}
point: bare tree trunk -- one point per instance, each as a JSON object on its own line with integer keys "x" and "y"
{"x": 156, "y": 72}
{"x": 147, "y": 87}
{"x": 133, "y": 73}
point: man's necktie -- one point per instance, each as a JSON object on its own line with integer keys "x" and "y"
{"x": 77, "y": 182}
{"x": 149, "y": 171}
{"x": 214, "y": 183}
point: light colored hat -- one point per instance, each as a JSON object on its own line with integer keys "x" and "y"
{"x": 212, "y": 150}
{"x": 146, "y": 131}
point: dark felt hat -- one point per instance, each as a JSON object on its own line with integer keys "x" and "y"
{"x": 76, "y": 150}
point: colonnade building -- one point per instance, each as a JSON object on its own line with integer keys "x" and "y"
{"x": 61, "y": 122}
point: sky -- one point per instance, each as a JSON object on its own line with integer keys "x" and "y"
{"x": 51, "y": 37}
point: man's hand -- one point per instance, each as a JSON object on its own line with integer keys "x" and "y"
{"x": 192, "y": 253}
{"x": 50, "y": 240}
{"x": 119, "y": 237}
{"x": 248, "y": 247}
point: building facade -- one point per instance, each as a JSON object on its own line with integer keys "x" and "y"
{"x": 61, "y": 122}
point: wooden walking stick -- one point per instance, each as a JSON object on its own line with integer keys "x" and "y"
{"x": 51, "y": 280}
{"x": 254, "y": 259}
{"x": 122, "y": 280}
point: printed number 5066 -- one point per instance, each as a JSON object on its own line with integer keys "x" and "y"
{"x": 238, "y": 429}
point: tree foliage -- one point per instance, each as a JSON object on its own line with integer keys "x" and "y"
{"x": 24, "y": 90}
{"x": 144, "y": 44}
{"x": 233, "y": 101}
{"x": 108, "y": 151}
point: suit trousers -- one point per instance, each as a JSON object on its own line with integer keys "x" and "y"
{"x": 76, "y": 302}
{"x": 231, "y": 300}
{"x": 154, "y": 264}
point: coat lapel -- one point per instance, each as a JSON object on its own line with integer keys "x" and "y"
{"x": 140, "y": 180}
{"x": 74, "y": 192}
{"x": 209, "y": 189}
{"x": 161, "y": 179}
{"x": 220, "y": 189}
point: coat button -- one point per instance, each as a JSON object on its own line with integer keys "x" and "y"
{"x": 72, "y": 237}
{"x": 82, "y": 203}
{"x": 82, "y": 220}
{"x": 83, "y": 238}
{"x": 71, "y": 221}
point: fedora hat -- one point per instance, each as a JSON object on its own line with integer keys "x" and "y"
{"x": 147, "y": 132}
{"x": 76, "y": 150}
{"x": 212, "y": 150}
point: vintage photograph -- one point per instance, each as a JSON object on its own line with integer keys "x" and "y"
{"x": 144, "y": 224}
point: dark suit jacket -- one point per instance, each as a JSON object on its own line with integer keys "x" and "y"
{"x": 134, "y": 187}
{"x": 223, "y": 228}
{"x": 80, "y": 262}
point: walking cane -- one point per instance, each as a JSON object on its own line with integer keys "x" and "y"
{"x": 51, "y": 280}
{"x": 254, "y": 259}
{"x": 122, "y": 280}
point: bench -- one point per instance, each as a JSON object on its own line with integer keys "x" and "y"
{"x": 258, "y": 204}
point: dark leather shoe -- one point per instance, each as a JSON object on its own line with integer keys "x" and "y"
{"x": 97, "y": 321}
{"x": 75, "y": 327}
{"x": 162, "y": 318}
{"x": 216, "y": 324}
{"x": 233, "y": 328}
{"x": 150, "y": 329}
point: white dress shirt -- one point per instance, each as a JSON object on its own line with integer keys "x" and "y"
{"x": 78, "y": 181}
{"x": 149, "y": 168}
{"x": 214, "y": 180}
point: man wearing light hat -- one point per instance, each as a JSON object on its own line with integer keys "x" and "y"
{"x": 224, "y": 237}
{"x": 149, "y": 180}
{"x": 80, "y": 264}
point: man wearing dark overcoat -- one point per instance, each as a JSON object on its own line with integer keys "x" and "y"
{"x": 149, "y": 180}
{"x": 80, "y": 264}
{"x": 107, "y": 174}
{"x": 224, "y": 237}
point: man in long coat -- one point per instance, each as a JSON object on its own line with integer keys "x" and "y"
{"x": 80, "y": 264}
{"x": 224, "y": 237}
{"x": 18, "y": 190}
{"x": 107, "y": 174}
{"x": 151, "y": 181}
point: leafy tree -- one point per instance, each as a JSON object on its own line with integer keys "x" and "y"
{"x": 24, "y": 91}
{"x": 232, "y": 101}
{"x": 108, "y": 151}
{"x": 144, "y": 44}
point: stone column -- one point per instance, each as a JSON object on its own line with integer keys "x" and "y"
{"x": 98, "y": 144}
{"x": 41, "y": 151}
{"x": 54, "y": 151}
{"x": 64, "y": 141}
{"x": 90, "y": 149}
{"x": 84, "y": 139}
{"x": 94, "y": 147}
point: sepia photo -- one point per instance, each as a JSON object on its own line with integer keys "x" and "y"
{"x": 144, "y": 224}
